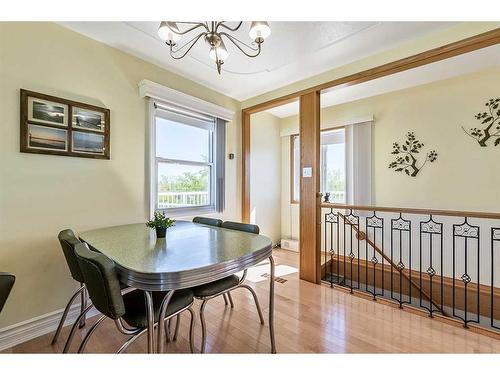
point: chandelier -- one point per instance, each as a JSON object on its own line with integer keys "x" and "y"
{"x": 214, "y": 33}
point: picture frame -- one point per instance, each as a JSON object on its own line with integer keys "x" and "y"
{"x": 83, "y": 118}
{"x": 58, "y": 126}
{"x": 47, "y": 112}
{"x": 88, "y": 143}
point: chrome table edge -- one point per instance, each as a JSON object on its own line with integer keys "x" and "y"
{"x": 190, "y": 278}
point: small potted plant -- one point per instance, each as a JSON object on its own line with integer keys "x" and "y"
{"x": 161, "y": 224}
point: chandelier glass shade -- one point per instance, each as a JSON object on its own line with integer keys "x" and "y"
{"x": 213, "y": 33}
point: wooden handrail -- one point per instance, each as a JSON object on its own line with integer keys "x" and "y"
{"x": 418, "y": 211}
{"x": 362, "y": 236}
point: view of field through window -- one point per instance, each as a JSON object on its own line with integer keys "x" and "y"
{"x": 184, "y": 164}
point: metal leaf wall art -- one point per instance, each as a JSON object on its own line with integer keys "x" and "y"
{"x": 407, "y": 155}
{"x": 490, "y": 125}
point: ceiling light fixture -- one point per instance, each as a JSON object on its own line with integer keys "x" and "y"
{"x": 213, "y": 33}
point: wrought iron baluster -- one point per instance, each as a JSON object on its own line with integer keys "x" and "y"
{"x": 325, "y": 250}
{"x": 351, "y": 220}
{"x": 432, "y": 229}
{"x": 366, "y": 258}
{"x": 495, "y": 239}
{"x": 376, "y": 224}
{"x": 468, "y": 233}
{"x": 400, "y": 226}
{"x": 331, "y": 219}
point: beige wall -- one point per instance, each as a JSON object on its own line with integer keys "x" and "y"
{"x": 265, "y": 174}
{"x": 42, "y": 194}
{"x": 465, "y": 176}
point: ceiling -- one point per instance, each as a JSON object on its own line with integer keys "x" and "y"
{"x": 294, "y": 51}
{"x": 453, "y": 67}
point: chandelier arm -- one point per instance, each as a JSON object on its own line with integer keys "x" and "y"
{"x": 237, "y": 42}
{"x": 196, "y": 25}
{"x": 194, "y": 40}
{"x": 222, "y": 24}
{"x": 234, "y": 39}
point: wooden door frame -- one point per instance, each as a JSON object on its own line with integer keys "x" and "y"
{"x": 433, "y": 55}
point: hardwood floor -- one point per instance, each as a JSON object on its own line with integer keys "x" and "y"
{"x": 309, "y": 318}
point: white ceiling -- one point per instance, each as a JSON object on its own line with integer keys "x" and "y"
{"x": 294, "y": 51}
{"x": 445, "y": 69}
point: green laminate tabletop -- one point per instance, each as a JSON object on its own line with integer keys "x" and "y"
{"x": 192, "y": 254}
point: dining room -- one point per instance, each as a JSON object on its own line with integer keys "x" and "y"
{"x": 198, "y": 189}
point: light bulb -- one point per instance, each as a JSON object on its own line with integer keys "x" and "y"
{"x": 259, "y": 30}
{"x": 169, "y": 32}
{"x": 219, "y": 53}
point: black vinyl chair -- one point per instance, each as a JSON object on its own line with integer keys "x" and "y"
{"x": 213, "y": 223}
{"x": 68, "y": 241}
{"x": 207, "y": 221}
{"x": 104, "y": 289}
{"x": 7, "y": 281}
{"x": 224, "y": 286}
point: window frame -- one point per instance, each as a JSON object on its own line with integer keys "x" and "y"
{"x": 292, "y": 164}
{"x": 155, "y": 110}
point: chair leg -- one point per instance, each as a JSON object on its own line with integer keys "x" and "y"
{"x": 167, "y": 330}
{"x": 74, "y": 327}
{"x": 177, "y": 324}
{"x": 230, "y": 299}
{"x": 203, "y": 326}
{"x": 83, "y": 306}
{"x": 191, "y": 329}
{"x": 65, "y": 314}
{"x": 89, "y": 333}
{"x": 225, "y": 299}
{"x": 256, "y": 300}
{"x": 127, "y": 343}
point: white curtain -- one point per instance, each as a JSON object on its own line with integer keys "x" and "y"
{"x": 358, "y": 143}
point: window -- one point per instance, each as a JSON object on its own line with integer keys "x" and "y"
{"x": 185, "y": 161}
{"x": 333, "y": 176}
{"x": 332, "y": 164}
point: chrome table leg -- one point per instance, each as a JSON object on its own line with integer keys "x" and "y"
{"x": 191, "y": 330}
{"x": 151, "y": 320}
{"x": 163, "y": 313}
{"x": 203, "y": 325}
{"x": 271, "y": 306}
{"x": 230, "y": 299}
{"x": 177, "y": 325}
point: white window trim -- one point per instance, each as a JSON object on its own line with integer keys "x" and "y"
{"x": 165, "y": 95}
{"x": 185, "y": 211}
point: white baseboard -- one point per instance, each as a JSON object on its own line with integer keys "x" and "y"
{"x": 41, "y": 325}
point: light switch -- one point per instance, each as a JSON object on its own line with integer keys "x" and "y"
{"x": 307, "y": 172}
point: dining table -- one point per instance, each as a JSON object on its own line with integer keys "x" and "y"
{"x": 191, "y": 254}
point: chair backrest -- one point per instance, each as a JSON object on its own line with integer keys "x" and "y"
{"x": 101, "y": 281}
{"x": 68, "y": 241}
{"x": 6, "y": 283}
{"x": 251, "y": 228}
{"x": 207, "y": 221}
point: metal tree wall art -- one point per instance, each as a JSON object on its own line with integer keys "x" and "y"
{"x": 407, "y": 154}
{"x": 491, "y": 122}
